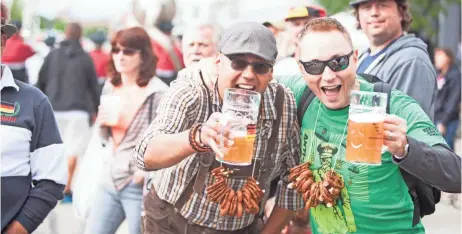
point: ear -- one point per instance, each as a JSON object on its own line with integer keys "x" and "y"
{"x": 300, "y": 66}
{"x": 217, "y": 62}
{"x": 217, "y": 59}
{"x": 297, "y": 51}
{"x": 355, "y": 55}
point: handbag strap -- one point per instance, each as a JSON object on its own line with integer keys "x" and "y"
{"x": 150, "y": 108}
{"x": 205, "y": 161}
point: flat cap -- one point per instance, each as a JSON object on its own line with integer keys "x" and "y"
{"x": 249, "y": 38}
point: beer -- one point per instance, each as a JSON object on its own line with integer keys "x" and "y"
{"x": 240, "y": 112}
{"x": 241, "y": 152}
{"x": 365, "y": 138}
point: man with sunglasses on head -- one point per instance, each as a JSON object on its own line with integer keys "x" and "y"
{"x": 375, "y": 199}
{"x": 178, "y": 145}
{"x": 33, "y": 165}
{"x": 69, "y": 79}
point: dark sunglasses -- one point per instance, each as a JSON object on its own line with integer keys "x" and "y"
{"x": 336, "y": 64}
{"x": 125, "y": 51}
{"x": 259, "y": 67}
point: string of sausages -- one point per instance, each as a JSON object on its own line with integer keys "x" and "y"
{"x": 315, "y": 193}
{"x": 231, "y": 202}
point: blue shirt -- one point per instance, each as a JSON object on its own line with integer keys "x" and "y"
{"x": 369, "y": 59}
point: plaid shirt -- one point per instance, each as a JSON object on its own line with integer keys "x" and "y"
{"x": 185, "y": 104}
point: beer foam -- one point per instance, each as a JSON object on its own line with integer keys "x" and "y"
{"x": 239, "y": 133}
{"x": 237, "y": 108}
{"x": 366, "y": 118}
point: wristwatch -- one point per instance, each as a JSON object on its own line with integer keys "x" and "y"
{"x": 406, "y": 152}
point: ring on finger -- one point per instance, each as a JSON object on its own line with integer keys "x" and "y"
{"x": 390, "y": 136}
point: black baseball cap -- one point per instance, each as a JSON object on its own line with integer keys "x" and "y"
{"x": 355, "y": 3}
{"x": 9, "y": 29}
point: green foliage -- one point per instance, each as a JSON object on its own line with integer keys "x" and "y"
{"x": 335, "y": 6}
{"x": 60, "y": 25}
{"x": 16, "y": 10}
{"x": 57, "y": 24}
{"x": 90, "y": 30}
{"x": 424, "y": 12}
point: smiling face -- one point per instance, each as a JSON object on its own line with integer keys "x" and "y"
{"x": 198, "y": 44}
{"x": 230, "y": 74}
{"x": 380, "y": 20}
{"x": 331, "y": 87}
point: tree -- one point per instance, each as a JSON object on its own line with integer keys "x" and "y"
{"x": 424, "y": 12}
{"x": 57, "y": 24}
{"x": 16, "y": 10}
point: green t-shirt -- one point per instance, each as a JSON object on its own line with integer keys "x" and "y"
{"x": 375, "y": 198}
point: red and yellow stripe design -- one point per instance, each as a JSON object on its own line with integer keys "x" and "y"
{"x": 6, "y": 108}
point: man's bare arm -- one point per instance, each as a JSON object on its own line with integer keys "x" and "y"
{"x": 167, "y": 150}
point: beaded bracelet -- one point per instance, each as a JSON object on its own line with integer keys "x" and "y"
{"x": 192, "y": 139}
{"x": 200, "y": 139}
{"x": 192, "y": 142}
{"x": 201, "y": 144}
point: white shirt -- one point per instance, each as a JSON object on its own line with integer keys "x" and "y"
{"x": 7, "y": 79}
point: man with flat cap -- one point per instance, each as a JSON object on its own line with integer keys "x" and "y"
{"x": 177, "y": 147}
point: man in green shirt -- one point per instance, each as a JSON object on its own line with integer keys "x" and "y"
{"x": 375, "y": 199}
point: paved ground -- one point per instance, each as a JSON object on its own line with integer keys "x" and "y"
{"x": 446, "y": 220}
{"x": 67, "y": 223}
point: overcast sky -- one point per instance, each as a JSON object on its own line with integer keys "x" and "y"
{"x": 80, "y": 9}
{"x": 91, "y": 10}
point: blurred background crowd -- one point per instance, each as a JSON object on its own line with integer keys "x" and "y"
{"x": 43, "y": 23}
{"x": 182, "y": 32}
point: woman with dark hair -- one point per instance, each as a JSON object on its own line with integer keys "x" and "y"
{"x": 447, "y": 104}
{"x": 134, "y": 93}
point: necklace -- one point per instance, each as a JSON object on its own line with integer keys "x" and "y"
{"x": 326, "y": 191}
{"x": 231, "y": 202}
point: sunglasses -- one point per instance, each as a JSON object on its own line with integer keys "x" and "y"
{"x": 258, "y": 67}
{"x": 335, "y": 64}
{"x": 125, "y": 51}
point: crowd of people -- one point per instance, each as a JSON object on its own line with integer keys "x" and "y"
{"x": 155, "y": 111}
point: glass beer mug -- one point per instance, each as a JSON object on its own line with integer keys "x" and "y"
{"x": 240, "y": 110}
{"x": 365, "y": 127}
